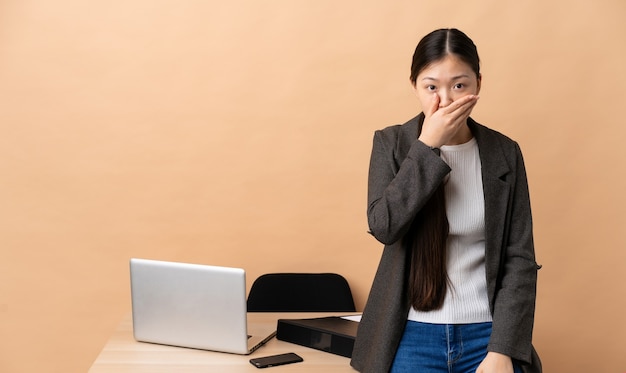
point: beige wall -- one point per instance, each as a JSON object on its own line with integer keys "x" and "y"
{"x": 238, "y": 133}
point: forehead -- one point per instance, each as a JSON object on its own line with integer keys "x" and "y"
{"x": 449, "y": 67}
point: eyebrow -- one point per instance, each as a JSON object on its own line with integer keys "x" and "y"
{"x": 453, "y": 78}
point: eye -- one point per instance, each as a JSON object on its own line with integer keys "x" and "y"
{"x": 431, "y": 87}
{"x": 459, "y": 86}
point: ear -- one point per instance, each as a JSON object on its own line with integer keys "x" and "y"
{"x": 478, "y": 83}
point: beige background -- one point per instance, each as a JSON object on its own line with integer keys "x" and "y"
{"x": 238, "y": 133}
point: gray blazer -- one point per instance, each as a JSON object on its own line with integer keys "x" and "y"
{"x": 403, "y": 175}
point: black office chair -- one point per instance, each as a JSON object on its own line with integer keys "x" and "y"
{"x": 300, "y": 292}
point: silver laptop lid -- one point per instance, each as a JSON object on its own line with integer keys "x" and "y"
{"x": 189, "y": 305}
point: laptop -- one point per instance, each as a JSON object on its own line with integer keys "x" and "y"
{"x": 194, "y": 306}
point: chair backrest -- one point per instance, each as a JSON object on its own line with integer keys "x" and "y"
{"x": 300, "y": 292}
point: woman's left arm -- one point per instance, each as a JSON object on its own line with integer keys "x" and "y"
{"x": 514, "y": 304}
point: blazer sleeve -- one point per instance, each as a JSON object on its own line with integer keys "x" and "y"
{"x": 398, "y": 185}
{"x": 514, "y": 303}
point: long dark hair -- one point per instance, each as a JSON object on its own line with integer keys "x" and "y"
{"x": 428, "y": 278}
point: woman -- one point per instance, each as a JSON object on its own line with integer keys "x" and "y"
{"x": 456, "y": 285}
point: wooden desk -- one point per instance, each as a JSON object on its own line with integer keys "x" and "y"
{"x": 123, "y": 354}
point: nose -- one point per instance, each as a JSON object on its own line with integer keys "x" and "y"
{"x": 445, "y": 98}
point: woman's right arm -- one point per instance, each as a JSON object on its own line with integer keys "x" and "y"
{"x": 398, "y": 188}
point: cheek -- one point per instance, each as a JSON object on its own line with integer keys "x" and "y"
{"x": 425, "y": 99}
{"x": 457, "y": 95}
{"x": 474, "y": 89}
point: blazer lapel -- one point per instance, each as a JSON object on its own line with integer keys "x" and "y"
{"x": 497, "y": 192}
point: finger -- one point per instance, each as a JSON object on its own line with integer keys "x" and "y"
{"x": 463, "y": 113}
{"x": 467, "y": 102}
{"x": 460, "y": 115}
{"x": 466, "y": 109}
{"x": 462, "y": 103}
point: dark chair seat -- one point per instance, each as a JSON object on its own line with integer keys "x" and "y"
{"x": 300, "y": 292}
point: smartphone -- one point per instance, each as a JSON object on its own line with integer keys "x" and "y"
{"x": 274, "y": 360}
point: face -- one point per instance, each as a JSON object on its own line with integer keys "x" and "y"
{"x": 449, "y": 78}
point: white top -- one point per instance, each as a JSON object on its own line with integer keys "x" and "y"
{"x": 466, "y": 300}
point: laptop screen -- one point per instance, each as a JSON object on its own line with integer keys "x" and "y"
{"x": 189, "y": 305}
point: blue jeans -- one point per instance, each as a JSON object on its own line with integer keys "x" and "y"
{"x": 441, "y": 348}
